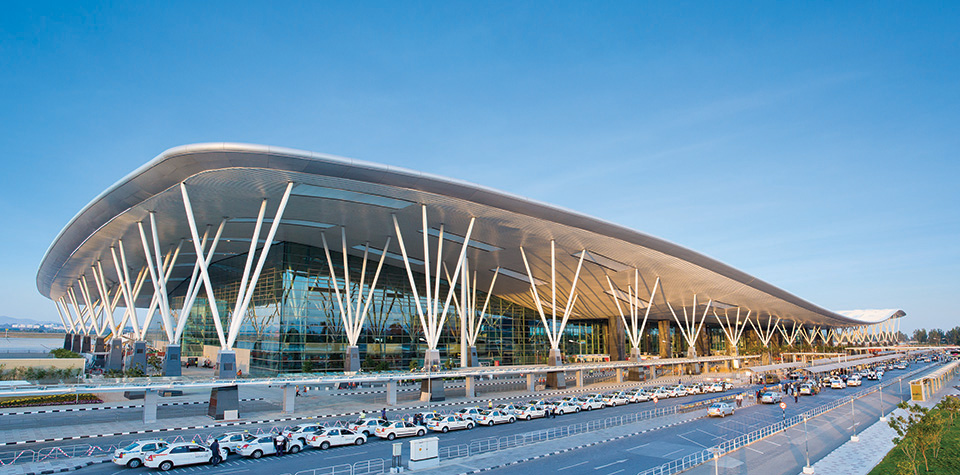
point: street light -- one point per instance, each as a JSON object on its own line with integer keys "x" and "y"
{"x": 806, "y": 441}
{"x": 853, "y": 412}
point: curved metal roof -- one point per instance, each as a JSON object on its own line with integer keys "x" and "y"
{"x": 230, "y": 180}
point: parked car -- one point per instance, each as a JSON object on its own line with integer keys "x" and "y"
{"x": 639, "y": 395}
{"x": 496, "y": 416}
{"x": 770, "y": 378}
{"x": 448, "y": 423}
{"x": 392, "y": 430}
{"x": 808, "y": 389}
{"x": 566, "y": 407}
{"x": 589, "y": 404}
{"x": 771, "y": 397}
{"x": 179, "y": 454}
{"x": 334, "y": 436}
{"x": 837, "y": 383}
{"x": 366, "y": 426}
{"x": 531, "y": 412}
{"x": 508, "y": 408}
{"x": 301, "y": 431}
{"x": 854, "y": 381}
{"x": 662, "y": 393}
{"x": 133, "y": 454}
{"x": 231, "y": 440}
{"x": 543, "y": 403}
{"x": 720, "y": 409}
{"x": 679, "y": 390}
{"x": 264, "y": 445}
{"x": 471, "y": 413}
{"x": 614, "y": 399}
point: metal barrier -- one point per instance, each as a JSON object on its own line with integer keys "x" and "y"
{"x": 366, "y": 467}
{"x": 53, "y": 453}
{"x": 703, "y": 456}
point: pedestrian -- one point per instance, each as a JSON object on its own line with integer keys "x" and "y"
{"x": 383, "y": 413}
{"x": 489, "y": 404}
{"x": 796, "y": 397}
{"x": 215, "y": 448}
{"x": 276, "y": 444}
{"x": 363, "y": 415}
{"x": 298, "y": 391}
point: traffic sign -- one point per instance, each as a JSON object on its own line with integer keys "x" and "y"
{"x": 655, "y": 399}
{"x": 783, "y": 405}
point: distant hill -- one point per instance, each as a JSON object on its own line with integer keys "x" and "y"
{"x": 26, "y": 321}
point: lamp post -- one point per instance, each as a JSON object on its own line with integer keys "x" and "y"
{"x": 853, "y": 412}
{"x": 806, "y": 441}
{"x": 883, "y": 418}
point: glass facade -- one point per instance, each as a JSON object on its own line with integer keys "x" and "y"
{"x": 293, "y": 323}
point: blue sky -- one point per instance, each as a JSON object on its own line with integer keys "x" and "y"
{"x": 813, "y": 145}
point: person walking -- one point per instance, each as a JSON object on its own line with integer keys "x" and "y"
{"x": 796, "y": 397}
{"x": 215, "y": 447}
{"x": 383, "y": 413}
{"x": 298, "y": 391}
{"x": 276, "y": 444}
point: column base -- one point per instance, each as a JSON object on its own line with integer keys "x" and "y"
{"x": 556, "y": 379}
{"x": 115, "y": 357}
{"x": 85, "y": 344}
{"x": 351, "y": 359}
{"x": 139, "y": 357}
{"x": 432, "y": 389}
{"x": 223, "y": 399}
{"x": 68, "y": 342}
{"x": 226, "y": 364}
{"x": 472, "y": 360}
{"x": 171, "y": 361}
{"x": 77, "y": 346}
{"x": 100, "y": 345}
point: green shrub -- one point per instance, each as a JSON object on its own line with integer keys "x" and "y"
{"x": 64, "y": 353}
{"x": 56, "y": 400}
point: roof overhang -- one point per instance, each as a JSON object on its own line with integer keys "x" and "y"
{"x": 231, "y": 180}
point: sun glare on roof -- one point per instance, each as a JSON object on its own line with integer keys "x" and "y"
{"x": 448, "y": 236}
{"x": 390, "y": 255}
{"x": 313, "y": 191}
{"x": 603, "y": 261}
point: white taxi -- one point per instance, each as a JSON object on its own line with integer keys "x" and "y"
{"x": 531, "y": 412}
{"x": 366, "y": 426}
{"x": 566, "y": 407}
{"x": 333, "y": 436}
{"x": 301, "y": 431}
{"x": 854, "y": 381}
{"x": 181, "y": 453}
{"x": 590, "y": 403}
{"x": 447, "y": 423}
{"x": 264, "y": 445}
{"x": 132, "y": 455}
{"x": 231, "y": 440}
{"x": 392, "y": 430}
{"x": 496, "y": 416}
{"x": 615, "y": 399}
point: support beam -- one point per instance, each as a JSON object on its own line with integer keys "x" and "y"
{"x": 150, "y": 402}
{"x": 289, "y": 398}
{"x": 391, "y": 393}
{"x": 470, "y": 386}
{"x": 531, "y": 382}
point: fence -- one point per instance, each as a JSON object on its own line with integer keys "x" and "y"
{"x": 365, "y": 467}
{"x": 703, "y": 456}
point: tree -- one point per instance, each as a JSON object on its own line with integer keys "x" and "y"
{"x": 918, "y": 435}
{"x": 920, "y": 335}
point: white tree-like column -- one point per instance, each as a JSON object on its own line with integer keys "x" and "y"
{"x": 633, "y": 326}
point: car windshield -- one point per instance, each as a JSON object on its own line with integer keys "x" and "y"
{"x": 132, "y": 446}
{"x": 716, "y": 406}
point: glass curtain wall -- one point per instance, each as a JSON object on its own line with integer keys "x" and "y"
{"x": 293, "y": 323}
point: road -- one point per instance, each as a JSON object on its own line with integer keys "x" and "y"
{"x": 634, "y": 454}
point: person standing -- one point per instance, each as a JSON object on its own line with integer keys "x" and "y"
{"x": 215, "y": 447}
{"x": 276, "y": 444}
{"x": 796, "y": 397}
{"x": 383, "y": 413}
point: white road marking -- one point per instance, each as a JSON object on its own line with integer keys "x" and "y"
{"x": 755, "y": 450}
{"x": 671, "y": 453}
{"x": 771, "y": 442}
{"x": 634, "y": 448}
{"x": 691, "y": 441}
{"x": 571, "y": 466}
{"x": 609, "y": 464}
{"x": 613, "y": 473}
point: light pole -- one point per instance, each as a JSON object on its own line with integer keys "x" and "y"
{"x": 806, "y": 441}
{"x": 883, "y": 418}
{"x": 853, "y": 412}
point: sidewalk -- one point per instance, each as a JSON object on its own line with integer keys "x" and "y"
{"x": 859, "y": 458}
{"x": 54, "y": 466}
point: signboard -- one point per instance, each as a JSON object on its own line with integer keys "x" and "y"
{"x": 655, "y": 399}
{"x": 783, "y": 405}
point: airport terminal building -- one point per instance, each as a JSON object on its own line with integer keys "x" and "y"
{"x": 295, "y": 261}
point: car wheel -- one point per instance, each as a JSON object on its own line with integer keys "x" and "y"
{"x": 445, "y": 429}
{"x": 528, "y": 417}
{"x": 210, "y": 461}
{"x": 359, "y": 441}
{"x": 257, "y": 454}
{"x": 470, "y": 425}
{"x": 134, "y": 463}
{"x": 511, "y": 420}
{"x": 391, "y": 436}
{"x": 420, "y": 432}
{"x": 577, "y": 410}
{"x": 294, "y": 449}
{"x": 589, "y": 408}
{"x": 166, "y": 465}
{"x": 324, "y": 445}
